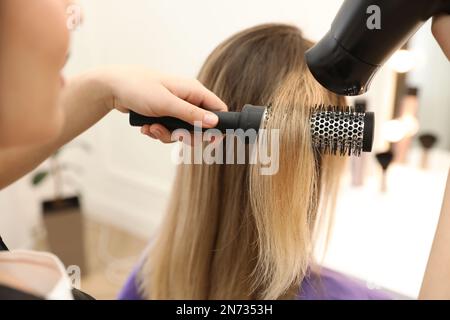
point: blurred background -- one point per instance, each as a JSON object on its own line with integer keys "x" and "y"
{"x": 98, "y": 201}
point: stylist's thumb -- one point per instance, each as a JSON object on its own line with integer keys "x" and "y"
{"x": 184, "y": 110}
{"x": 441, "y": 31}
{"x": 191, "y": 113}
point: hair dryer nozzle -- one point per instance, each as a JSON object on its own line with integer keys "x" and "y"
{"x": 363, "y": 35}
{"x": 337, "y": 70}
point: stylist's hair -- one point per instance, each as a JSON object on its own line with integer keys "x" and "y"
{"x": 230, "y": 232}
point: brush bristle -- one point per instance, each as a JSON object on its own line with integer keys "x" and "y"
{"x": 337, "y": 130}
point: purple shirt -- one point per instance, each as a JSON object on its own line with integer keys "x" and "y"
{"x": 329, "y": 285}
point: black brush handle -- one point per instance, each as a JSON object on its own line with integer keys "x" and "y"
{"x": 227, "y": 120}
{"x": 249, "y": 118}
{"x": 139, "y": 120}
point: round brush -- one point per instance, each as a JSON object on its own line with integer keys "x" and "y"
{"x": 334, "y": 130}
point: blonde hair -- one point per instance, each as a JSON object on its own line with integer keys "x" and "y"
{"x": 230, "y": 232}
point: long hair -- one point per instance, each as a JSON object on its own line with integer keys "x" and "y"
{"x": 230, "y": 232}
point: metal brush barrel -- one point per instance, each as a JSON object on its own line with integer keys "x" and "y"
{"x": 342, "y": 132}
{"x": 334, "y": 130}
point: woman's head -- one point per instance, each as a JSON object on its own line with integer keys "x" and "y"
{"x": 231, "y": 232}
{"x": 33, "y": 47}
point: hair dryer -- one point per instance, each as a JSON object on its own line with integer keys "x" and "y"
{"x": 364, "y": 34}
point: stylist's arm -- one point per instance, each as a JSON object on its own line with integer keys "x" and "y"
{"x": 441, "y": 31}
{"x": 89, "y": 97}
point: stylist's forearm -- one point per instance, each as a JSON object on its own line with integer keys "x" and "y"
{"x": 85, "y": 99}
{"x": 441, "y": 31}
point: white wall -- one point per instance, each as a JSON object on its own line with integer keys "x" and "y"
{"x": 432, "y": 76}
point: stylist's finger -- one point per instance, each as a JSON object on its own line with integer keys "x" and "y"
{"x": 194, "y": 92}
{"x": 157, "y": 131}
{"x": 441, "y": 31}
{"x": 181, "y": 109}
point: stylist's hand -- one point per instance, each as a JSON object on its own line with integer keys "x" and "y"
{"x": 153, "y": 94}
{"x": 441, "y": 31}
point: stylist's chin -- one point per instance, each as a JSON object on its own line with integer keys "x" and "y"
{"x": 41, "y": 124}
{"x": 40, "y": 131}
{"x": 34, "y": 51}
{"x": 43, "y": 120}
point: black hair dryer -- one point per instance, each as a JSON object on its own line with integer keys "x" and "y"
{"x": 364, "y": 34}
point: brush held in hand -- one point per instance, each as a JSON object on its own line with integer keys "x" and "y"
{"x": 342, "y": 131}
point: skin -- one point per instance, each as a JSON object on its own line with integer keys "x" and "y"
{"x": 441, "y": 31}
{"x": 437, "y": 268}
{"x": 33, "y": 51}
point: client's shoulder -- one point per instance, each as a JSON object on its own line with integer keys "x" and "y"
{"x": 326, "y": 284}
